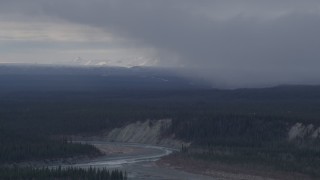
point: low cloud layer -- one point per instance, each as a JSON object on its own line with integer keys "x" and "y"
{"x": 234, "y": 43}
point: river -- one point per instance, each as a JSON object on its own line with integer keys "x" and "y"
{"x": 138, "y": 160}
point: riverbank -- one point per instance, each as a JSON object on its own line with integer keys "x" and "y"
{"x": 109, "y": 151}
{"x": 52, "y": 162}
{"x": 228, "y": 171}
{"x": 138, "y": 160}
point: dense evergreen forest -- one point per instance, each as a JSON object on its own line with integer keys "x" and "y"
{"x": 61, "y": 174}
{"x": 24, "y": 147}
{"x": 215, "y": 117}
{"x": 249, "y": 124}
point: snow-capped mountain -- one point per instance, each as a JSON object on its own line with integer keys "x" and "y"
{"x": 120, "y": 62}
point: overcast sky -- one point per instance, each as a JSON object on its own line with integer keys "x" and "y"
{"x": 236, "y": 43}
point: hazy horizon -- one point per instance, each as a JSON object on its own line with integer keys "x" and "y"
{"x": 237, "y": 43}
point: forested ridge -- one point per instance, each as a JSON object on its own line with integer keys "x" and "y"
{"x": 249, "y": 124}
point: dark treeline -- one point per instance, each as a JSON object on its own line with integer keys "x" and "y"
{"x": 230, "y": 129}
{"x": 60, "y": 173}
{"x": 27, "y": 119}
{"x": 51, "y": 113}
{"x": 248, "y": 139}
{"x": 252, "y": 122}
{"x": 24, "y": 148}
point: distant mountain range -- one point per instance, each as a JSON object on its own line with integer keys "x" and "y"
{"x": 27, "y": 77}
{"x": 34, "y": 77}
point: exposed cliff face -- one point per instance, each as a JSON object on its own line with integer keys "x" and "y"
{"x": 301, "y": 131}
{"x": 148, "y": 132}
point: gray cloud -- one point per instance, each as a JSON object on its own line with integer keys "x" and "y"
{"x": 235, "y": 43}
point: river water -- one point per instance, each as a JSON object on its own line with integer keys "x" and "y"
{"x": 138, "y": 160}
